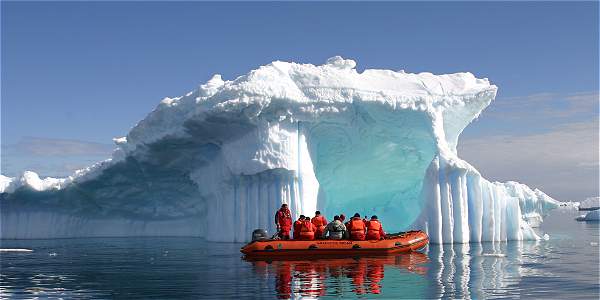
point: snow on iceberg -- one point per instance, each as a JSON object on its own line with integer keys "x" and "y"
{"x": 218, "y": 162}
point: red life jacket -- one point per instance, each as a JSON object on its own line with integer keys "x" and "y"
{"x": 357, "y": 229}
{"x": 297, "y": 227}
{"x": 284, "y": 219}
{"x": 374, "y": 230}
{"x": 320, "y": 223}
{"x": 307, "y": 231}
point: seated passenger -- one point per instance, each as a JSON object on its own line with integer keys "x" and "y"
{"x": 320, "y": 222}
{"x": 374, "y": 229}
{"x": 347, "y": 224}
{"x": 357, "y": 228}
{"x": 298, "y": 226}
{"x": 336, "y": 229}
{"x": 307, "y": 230}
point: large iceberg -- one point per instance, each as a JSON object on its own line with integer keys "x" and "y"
{"x": 217, "y": 162}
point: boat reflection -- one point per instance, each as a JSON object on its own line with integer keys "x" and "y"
{"x": 459, "y": 271}
{"x": 317, "y": 277}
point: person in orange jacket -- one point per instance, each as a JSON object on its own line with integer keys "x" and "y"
{"x": 374, "y": 229}
{"x": 320, "y": 222}
{"x": 283, "y": 220}
{"x": 298, "y": 227}
{"x": 307, "y": 230}
{"x": 357, "y": 228}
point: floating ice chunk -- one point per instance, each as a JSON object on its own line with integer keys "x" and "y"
{"x": 15, "y": 250}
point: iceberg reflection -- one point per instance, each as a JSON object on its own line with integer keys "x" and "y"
{"x": 482, "y": 270}
{"x": 466, "y": 271}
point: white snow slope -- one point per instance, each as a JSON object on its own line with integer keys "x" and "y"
{"x": 218, "y": 162}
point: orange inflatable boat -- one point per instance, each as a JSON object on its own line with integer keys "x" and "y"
{"x": 394, "y": 243}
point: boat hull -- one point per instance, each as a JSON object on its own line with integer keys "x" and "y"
{"x": 400, "y": 243}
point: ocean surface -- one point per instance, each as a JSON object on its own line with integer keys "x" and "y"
{"x": 564, "y": 267}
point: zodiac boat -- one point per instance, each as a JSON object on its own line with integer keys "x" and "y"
{"x": 393, "y": 243}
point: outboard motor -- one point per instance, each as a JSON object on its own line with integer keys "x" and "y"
{"x": 259, "y": 235}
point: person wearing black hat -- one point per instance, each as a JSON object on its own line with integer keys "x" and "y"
{"x": 357, "y": 228}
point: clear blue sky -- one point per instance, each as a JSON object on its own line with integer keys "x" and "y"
{"x": 89, "y": 71}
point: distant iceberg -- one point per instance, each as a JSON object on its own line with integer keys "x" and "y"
{"x": 217, "y": 162}
{"x": 593, "y": 215}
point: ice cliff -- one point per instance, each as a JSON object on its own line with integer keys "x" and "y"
{"x": 218, "y": 162}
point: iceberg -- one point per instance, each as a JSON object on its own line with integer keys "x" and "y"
{"x": 593, "y": 215}
{"x": 218, "y": 162}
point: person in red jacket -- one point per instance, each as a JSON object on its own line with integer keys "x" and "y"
{"x": 320, "y": 222}
{"x": 374, "y": 229}
{"x": 357, "y": 228}
{"x": 283, "y": 220}
{"x": 298, "y": 227}
{"x": 307, "y": 230}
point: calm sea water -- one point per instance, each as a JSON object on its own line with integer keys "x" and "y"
{"x": 566, "y": 266}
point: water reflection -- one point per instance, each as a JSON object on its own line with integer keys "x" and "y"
{"x": 466, "y": 271}
{"x": 336, "y": 276}
{"x": 566, "y": 266}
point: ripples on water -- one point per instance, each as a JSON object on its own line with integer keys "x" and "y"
{"x": 566, "y": 266}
